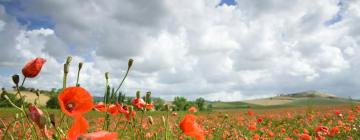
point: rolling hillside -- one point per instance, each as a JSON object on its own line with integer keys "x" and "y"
{"x": 293, "y": 99}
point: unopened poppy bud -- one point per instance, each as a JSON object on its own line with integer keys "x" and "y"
{"x": 151, "y": 120}
{"x": 106, "y": 75}
{"x": 68, "y": 60}
{"x": 37, "y": 92}
{"x": 16, "y": 116}
{"x": 137, "y": 94}
{"x": 80, "y": 65}
{"x": 16, "y": 79}
{"x": 148, "y": 97}
{"x": 130, "y": 62}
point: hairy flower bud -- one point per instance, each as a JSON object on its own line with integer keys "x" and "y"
{"x": 80, "y": 65}
{"x": 137, "y": 94}
{"x": 130, "y": 62}
{"x": 107, "y": 75}
{"x": 68, "y": 60}
{"x": 16, "y": 79}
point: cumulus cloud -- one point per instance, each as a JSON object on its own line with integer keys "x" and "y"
{"x": 193, "y": 48}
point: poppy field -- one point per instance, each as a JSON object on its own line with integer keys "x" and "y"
{"x": 80, "y": 117}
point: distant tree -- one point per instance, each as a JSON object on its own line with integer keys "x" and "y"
{"x": 52, "y": 102}
{"x": 200, "y": 103}
{"x": 189, "y": 104}
{"x": 158, "y": 104}
{"x": 209, "y": 107}
{"x": 12, "y": 97}
{"x": 180, "y": 103}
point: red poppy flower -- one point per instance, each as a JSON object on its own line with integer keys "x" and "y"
{"x": 100, "y": 107}
{"x": 304, "y": 137}
{"x": 130, "y": 115}
{"x": 75, "y": 101}
{"x": 100, "y": 135}
{"x": 33, "y": 67}
{"x": 113, "y": 109}
{"x": 149, "y": 106}
{"x": 138, "y": 103}
{"x": 79, "y": 126}
{"x": 121, "y": 109}
{"x": 192, "y": 109}
{"x": 191, "y": 128}
{"x": 35, "y": 115}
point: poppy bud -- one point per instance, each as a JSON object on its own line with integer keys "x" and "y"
{"x": 33, "y": 67}
{"x": 106, "y": 75}
{"x": 16, "y": 79}
{"x": 68, "y": 60}
{"x": 37, "y": 92}
{"x": 80, "y": 65}
{"x": 130, "y": 62}
{"x": 137, "y": 94}
{"x": 148, "y": 97}
{"x": 151, "y": 120}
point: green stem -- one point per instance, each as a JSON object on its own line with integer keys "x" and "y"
{"x": 22, "y": 84}
{"x": 77, "y": 78}
{"x": 7, "y": 129}
{"x": 117, "y": 123}
{"x": 122, "y": 81}
{"x": 64, "y": 80}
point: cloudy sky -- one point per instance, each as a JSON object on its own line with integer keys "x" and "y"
{"x": 219, "y": 50}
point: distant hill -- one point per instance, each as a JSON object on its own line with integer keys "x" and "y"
{"x": 284, "y": 100}
{"x": 312, "y": 93}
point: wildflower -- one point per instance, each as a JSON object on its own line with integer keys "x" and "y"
{"x": 191, "y": 128}
{"x": 33, "y": 67}
{"x": 252, "y": 126}
{"x": 100, "y": 135}
{"x": 113, "y": 109}
{"x": 75, "y": 101}
{"x": 149, "y": 106}
{"x": 174, "y": 114}
{"x": 304, "y": 137}
{"x": 334, "y": 131}
{"x": 79, "y": 126}
{"x": 100, "y": 107}
{"x": 192, "y": 109}
{"x": 138, "y": 103}
{"x": 37, "y": 116}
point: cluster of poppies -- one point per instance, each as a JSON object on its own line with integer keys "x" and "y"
{"x": 76, "y": 101}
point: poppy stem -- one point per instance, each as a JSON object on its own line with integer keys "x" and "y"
{"x": 122, "y": 81}
{"x": 117, "y": 122}
{"x": 22, "y": 84}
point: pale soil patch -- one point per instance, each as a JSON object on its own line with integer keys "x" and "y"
{"x": 30, "y": 97}
{"x": 270, "y": 101}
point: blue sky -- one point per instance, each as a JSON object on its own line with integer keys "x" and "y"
{"x": 217, "y": 49}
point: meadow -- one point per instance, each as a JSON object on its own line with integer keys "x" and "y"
{"x": 306, "y": 122}
{"x": 80, "y": 117}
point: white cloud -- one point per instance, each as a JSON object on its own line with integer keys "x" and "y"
{"x": 194, "y": 48}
